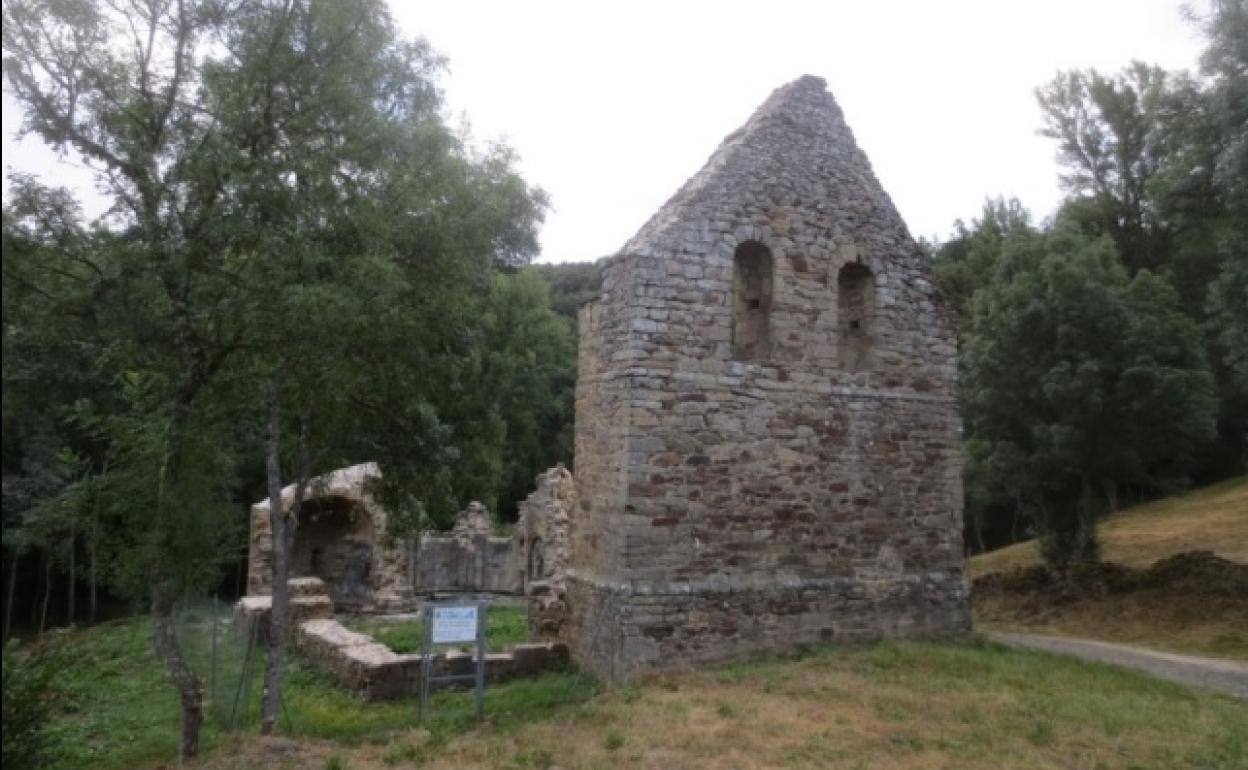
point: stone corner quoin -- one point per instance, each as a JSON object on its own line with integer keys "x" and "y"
{"x": 767, "y": 432}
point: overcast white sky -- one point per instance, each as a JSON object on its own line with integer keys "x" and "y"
{"x": 612, "y": 107}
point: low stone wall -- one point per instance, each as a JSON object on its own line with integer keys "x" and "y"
{"x": 361, "y": 664}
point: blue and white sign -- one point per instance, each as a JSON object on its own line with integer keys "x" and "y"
{"x": 452, "y": 625}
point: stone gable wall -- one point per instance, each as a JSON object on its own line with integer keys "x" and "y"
{"x": 728, "y": 506}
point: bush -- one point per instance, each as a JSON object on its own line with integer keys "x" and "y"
{"x": 27, "y": 707}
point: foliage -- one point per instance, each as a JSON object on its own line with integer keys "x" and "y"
{"x": 967, "y": 261}
{"x": 525, "y": 383}
{"x": 290, "y": 265}
{"x": 1079, "y": 379}
{"x": 1103, "y": 348}
{"x": 572, "y": 284}
{"x": 28, "y": 707}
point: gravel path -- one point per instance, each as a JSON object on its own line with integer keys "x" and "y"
{"x": 1225, "y": 676}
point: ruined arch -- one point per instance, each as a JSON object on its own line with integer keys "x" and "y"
{"x": 752, "y": 282}
{"x": 341, "y": 538}
{"x": 855, "y": 285}
{"x": 335, "y": 542}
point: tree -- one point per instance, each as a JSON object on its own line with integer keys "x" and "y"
{"x": 523, "y": 385}
{"x": 1078, "y": 380}
{"x": 572, "y": 284}
{"x": 293, "y": 233}
{"x": 967, "y": 261}
{"x": 1110, "y": 140}
{"x": 1157, "y": 161}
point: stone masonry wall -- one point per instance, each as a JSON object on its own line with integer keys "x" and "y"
{"x": 478, "y": 563}
{"x": 727, "y": 506}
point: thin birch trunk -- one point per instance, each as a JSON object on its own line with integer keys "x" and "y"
{"x": 47, "y": 592}
{"x": 73, "y": 576}
{"x": 8, "y": 598}
{"x": 283, "y": 523}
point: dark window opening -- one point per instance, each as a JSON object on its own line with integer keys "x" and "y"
{"x": 751, "y": 304}
{"x": 856, "y": 316}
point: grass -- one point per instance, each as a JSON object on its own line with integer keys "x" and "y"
{"x": 966, "y": 705}
{"x": 959, "y": 705}
{"x": 504, "y": 627}
{"x": 1211, "y": 519}
{"x": 115, "y": 707}
{"x": 1214, "y": 518}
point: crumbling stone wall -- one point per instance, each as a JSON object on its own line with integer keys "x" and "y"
{"x": 542, "y": 550}
{"x": 469, "y": 558}
{"x": 342, "y": 540}
{"x": 808, "y": 490}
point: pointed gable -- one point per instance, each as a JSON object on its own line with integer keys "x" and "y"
{"x": 794, "y": 157}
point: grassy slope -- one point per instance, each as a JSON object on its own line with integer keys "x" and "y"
{"x": 1212, "y": 519}
{"x": 899, "y": 706}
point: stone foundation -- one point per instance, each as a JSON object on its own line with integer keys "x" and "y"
{"x": 365, "y": 666}
{"x": 691, "y": 624}
{"x": 371, "y": 669}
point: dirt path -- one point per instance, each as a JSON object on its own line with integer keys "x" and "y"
{"x": 1225, "y": 676}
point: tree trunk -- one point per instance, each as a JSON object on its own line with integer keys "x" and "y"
{"x": 73, "y": 575}
{"x": 1111, "y": 495}
{"x": 93, "y": 569}
{"x": 8, "y": 597}
{"x": 189, "y": 686}
{"x": 1085, "y": 537}
{"x": 283, "y": 523}
{"x": 977, "y": 526}
{"x": 276, "y": 662}
{"x": 47, "y": 592}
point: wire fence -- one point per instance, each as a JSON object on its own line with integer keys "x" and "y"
{"x": 226, "y": 651}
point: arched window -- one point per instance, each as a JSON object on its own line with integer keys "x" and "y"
{"x": 537, "y": 560}
{"x": 751, "y": 302}
{"x": 855, "y": 316}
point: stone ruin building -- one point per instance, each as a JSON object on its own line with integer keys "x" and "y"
{"x": 344, "y": 560}
{"x": 767, "y": 434}
{"x": 342, "y": 541}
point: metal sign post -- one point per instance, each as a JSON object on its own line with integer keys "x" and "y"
{"x": 453, "y": 623}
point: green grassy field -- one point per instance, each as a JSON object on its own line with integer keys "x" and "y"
{"x": 891, "y": 705}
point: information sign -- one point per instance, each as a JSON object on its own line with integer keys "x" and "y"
{"x": 454, "y": 624}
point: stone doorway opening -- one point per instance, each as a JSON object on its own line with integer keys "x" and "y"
{"x": 335, "y": 543}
